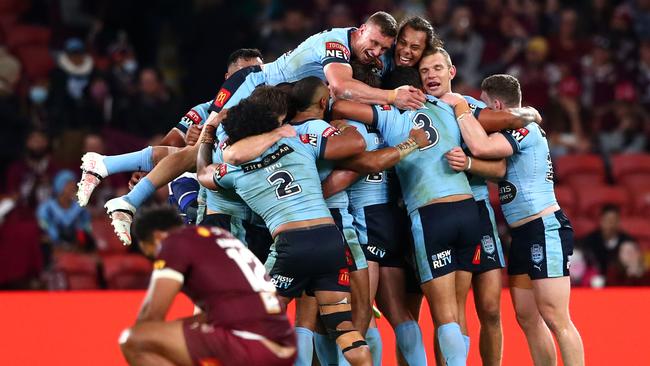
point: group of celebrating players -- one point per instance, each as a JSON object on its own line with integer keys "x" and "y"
{"x": 319, "y": 163}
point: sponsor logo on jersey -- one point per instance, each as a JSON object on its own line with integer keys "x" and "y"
{"x": 519, "y": 134}
{"x": 222, "y": 97}
{"x": 337, "y": 50}
{"x": 488, "y": 244}
{"x": 507, "y": 192}
{"x": 194, "y": 117}
{"x": 344, "y": 277}
{"x": 310, "y": 139}
{"x": 330, "y": 131}
{"x": 222, "y": 171}
{"x": 202, "y": 231}
{"x": 268, "y": 160}
{"x": 537, "y": 254}
{"x": 159, "y": 264}
{"x": 441, "y": 259}
{"x": 385, "y": 107}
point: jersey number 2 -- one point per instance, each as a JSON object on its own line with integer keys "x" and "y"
{"x": 285, "y": 187}
{"x": 424, "y": 122}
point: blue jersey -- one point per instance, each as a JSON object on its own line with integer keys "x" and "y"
{"x": 195, "y": 116}
{"x": 373, "y": 188}
{"x": 478, "y": 183}
{"x": 315, "y": 132}
{"x": 226, "y": 201}
{"x": 527, "y": 187}
{"x": 425, "y": 174}
{"x": 282, "y": 185}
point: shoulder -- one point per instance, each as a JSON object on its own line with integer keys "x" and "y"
{"x": 474, "y": 103}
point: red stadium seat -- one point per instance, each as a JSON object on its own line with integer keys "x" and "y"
{"x": 27, "y": 35}
{"x": 638, "y": 227}
{"x": 36, "y": 60}
{"x": 591, "y": 199}
{"x": 630, "y": 164}
{"x": 580, "y": 169}
{"x": 640, "y": 198}
{"x": 127, "y": 271}
{"x": 80, "y": 270}
{"x": 105, "y": 238}
{"x": 567, "y": 200}
{"x": 583, "y": 226}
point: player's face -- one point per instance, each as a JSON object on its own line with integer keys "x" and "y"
{"x": 151, "y": 247}
{"x": 409, "y": 47}
{"x": 241, "y": 63}
{"x": 371, "y": 43}
{"x": 491, "y": 103}
{"x": 436, "y": 74}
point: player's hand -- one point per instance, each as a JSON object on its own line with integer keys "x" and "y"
{"x": 538, "y": 117}
{"x": 135, "y": 178}
{"x": 285, "y": 131}
{"x": 420, "y": 137}
{"x": 409, "y": 97}
{"x": 452, "y": 99}
{"x": 457, "y": 159}
{"x": 192, "y": 135}
{"x": 214, "y": 122}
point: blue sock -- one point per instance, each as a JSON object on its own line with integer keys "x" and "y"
{"x": 141, "y": 192}
{"x": 409, "y": 339}
{"x": 305, "y": 343}
{"x": 466, "y": 339}
{"x": 373, "y": 338}
{"x": 452, "y": 344}
{"x": 132, "y": 162}
{"x": 326, "y": 350}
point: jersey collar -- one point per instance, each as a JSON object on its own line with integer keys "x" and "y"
{"x": 298, "y": 123}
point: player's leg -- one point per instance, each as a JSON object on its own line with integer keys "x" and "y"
{"x": 373, "y": 338}
{"x": 306, "y": 318}
{"x": 487, "y": 299}
{"x": 463, "y": 284}
{"x": 155, "y": 343}
{"x": 538, "y": 335}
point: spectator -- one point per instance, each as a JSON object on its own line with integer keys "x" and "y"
{"x": 13, "y": 123}
{"x": 565, "y": 47}
{"x": 123, "y": 73}
{"x": 563, "y": 119}
{"x": 599, "y": 13}
{"x": 293, "y": 29}
{"x": 503, "y": 48}
{"x": 582, "y": 273}
{"x": 624, "y": 42}
{"x": 38, "y": 111}
{"x": 640, "y": 10}
{"x": 628, "y": 268}
{"x": 65, "y": 224}
{"x": 464, "y": 45}
{"x": 643, "y": 78}
{"x": 602, "y": 245}
{"x": 626, "y": 132}
{"x": 599, "y": 74}
{"x": 438, "y": 12}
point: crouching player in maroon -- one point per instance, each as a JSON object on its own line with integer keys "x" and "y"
{"x": 242, "y": 323}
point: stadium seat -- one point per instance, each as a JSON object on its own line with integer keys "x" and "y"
{"x": 640, "y": 198}
{"x": 36, "y": 60}
{"x": 127, "y": 271}
{"x": 630, "y": 165}
{"x": 636, "y": 226}
{"x": 591, "y": 199}
{"x": 567, "y": 200}
{"x": 25, "y": 35}
{"x": 80, "y": 270}
{"x": 583, "y": 226}
{"x": 105, "y": 239}
{"x": 580, "y": 169}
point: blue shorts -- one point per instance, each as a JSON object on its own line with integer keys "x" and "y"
{"x": 256, "y": 238}
{"x": 238, "y": 86}
{"x": 378, "y": 227}
{"x": 487, "y": 254}
{"x": 355, "y": 258}
{"x": 541, "y": 248}
{"x": 440, "y": 230}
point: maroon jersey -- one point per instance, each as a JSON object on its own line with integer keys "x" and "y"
{"x": 224, "y": 279}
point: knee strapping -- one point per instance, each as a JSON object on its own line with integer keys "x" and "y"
{"x": 333, "y": 315}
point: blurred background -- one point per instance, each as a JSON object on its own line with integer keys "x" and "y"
{"x": 112, "y": 76}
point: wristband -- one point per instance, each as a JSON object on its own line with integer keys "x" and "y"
{"x": 208, "y": 134}
{"x": 406, "y": 147}
{"x": 461, "y": 109}
{"x": 392, "y": 95}
{"x": 469, "y": 163}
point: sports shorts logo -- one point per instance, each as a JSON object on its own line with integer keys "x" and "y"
{"x": 441, "y": 259}
{"x": 488, "y": 244}
{"x": 337, "y": 50}
{"x": 344, "y": 277}
{"x": 222, "y": 97}
{"x": 376, "y": 251}
{"x": 537, "y": 254}
{"x": 507, "y": 192}
{"x": 281, "y": 282}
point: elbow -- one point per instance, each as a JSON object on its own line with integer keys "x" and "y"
{"x": 231, "y": 157}
{"x": 205, "y": 178}
{"x": 480, "y": 151}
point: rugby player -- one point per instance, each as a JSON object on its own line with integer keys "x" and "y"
{"x": 542, "y": 237}
{"x": 244, "y": 322}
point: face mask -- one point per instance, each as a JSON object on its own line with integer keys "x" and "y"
{"x": 130, "y": 66}
{"x": 38, "y": 94}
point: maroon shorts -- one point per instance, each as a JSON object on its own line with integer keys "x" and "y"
{"x": 217, "y": 346}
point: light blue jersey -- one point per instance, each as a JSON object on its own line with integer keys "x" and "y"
{"x": 282, "y": 185}
{"x": 527, "y": 187}
{"x": 424, "y": 175}
{"x": 478, "y": 183}
{"x": 373, "y": 188}
{"x": 226, "y": 201}
{"x": 195, "y": 116}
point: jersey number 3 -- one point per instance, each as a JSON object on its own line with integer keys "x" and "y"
{"x": 284, "y": 181}
{"x": 424, "y": 122}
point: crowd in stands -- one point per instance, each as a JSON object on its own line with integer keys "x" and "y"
{"x": 111, "y": 76}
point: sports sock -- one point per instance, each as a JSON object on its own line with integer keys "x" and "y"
{"x": 373, "y": 338}
{"x": 305, "y": 342}
{"x": 466, "y": 339}
{"x": 326, "y": 350}
{"x": 452, "y": 344}
{"x": 138, "y": 161}
{"x": 140, "y": 192}
{"x": 409, "y": 339}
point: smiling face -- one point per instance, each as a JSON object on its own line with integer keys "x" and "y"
{"x": 436, "y": 73}
{"x": 409, "y": 47}
{"x": 371, "y": 43}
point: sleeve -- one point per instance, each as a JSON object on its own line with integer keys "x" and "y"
{"x": 383, "y": 117}
{"x": 192, "y": 117}
{"x": 476, "y": 106}
{"x": 318, "y": 131}
{"x": 519, "y": 138}
{"x": 332, "y": 48}
{"x": 185, "y": 191}
{"x": 224, "y": 177}
{"x": 172, "y": 262}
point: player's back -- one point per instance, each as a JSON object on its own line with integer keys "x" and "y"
{"x": 282, "y": 185}
{"x": 424, "y": 175}
{"x": 224, "y": 279}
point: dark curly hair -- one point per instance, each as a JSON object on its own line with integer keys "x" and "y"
{"x": 252, "y": 116}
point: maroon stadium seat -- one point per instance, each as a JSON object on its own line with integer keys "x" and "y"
{"x": 36, "y": 60}
{"x": 80, "y": 270}
{"x": 591, "y": 199}
{"x": 580, "y": 169}
{"x": 636, "y": 226}
{"x": 27, "y": 35}
{"x": 127, "y": 271}
{"x": 630, "y": 164}
{"x": 567, "y": 200}
{"x": 105, "y": 238}
{"x": 583, "y": 226}
{"x": 640, "y": 198}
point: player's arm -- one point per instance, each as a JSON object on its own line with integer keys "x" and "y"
{"x": 511, "y": 119}
{"x": 173, "y": 138}
{"x": 159, "y": 298}
{"x": 343, "y": 86}
{"x": 345, "y": 109}
{"x": 251, "y": 147}
{"x": 338, "y": 180}
{"x": 490, "y": 169}
{"x": 341, "y": 143}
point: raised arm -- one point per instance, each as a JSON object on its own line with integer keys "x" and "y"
{"x": 343, "y": 86}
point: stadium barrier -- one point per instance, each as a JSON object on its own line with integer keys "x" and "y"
{"x": 82, "y": 328}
